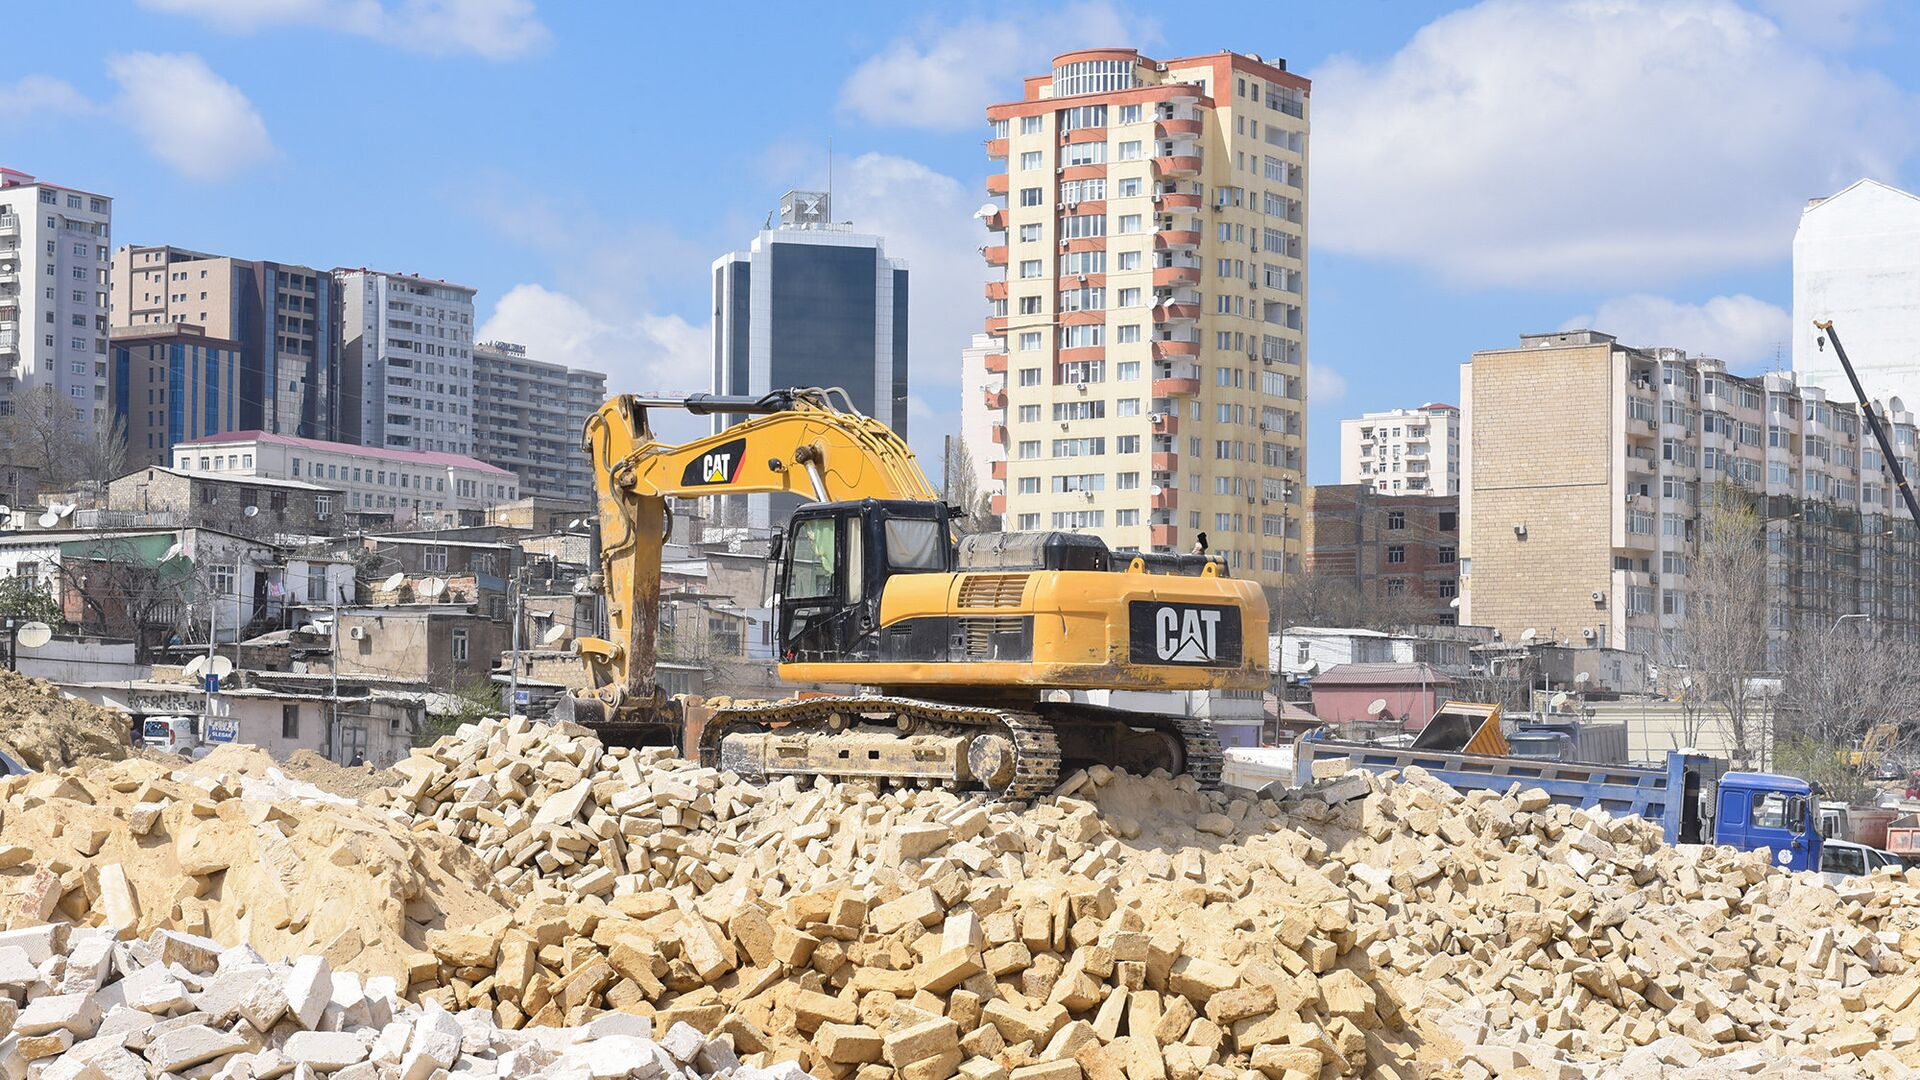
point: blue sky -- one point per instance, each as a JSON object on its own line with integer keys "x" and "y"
{"x": 1477, "y": 171}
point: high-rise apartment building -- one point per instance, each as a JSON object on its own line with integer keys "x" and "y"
{"x": 1403, "y": 451}
{"x": 1587, "y": 465}
{"x": 281, "y": 314}
{"x": 810, "y": 303}
{"x": 406, "y": 361}
{"x": 1856, "y": 261}
{"x": 985, "y": 451}
{"x": 54, "y": 244}
{"x": 171, "y": 382}
{"x": 1152, "y": 233}
{"x": 528, "y": 417}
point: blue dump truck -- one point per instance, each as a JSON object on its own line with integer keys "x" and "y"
{"x": 1693, "y": 797}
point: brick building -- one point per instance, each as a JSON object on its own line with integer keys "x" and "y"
{"x": 1387, "y": 545}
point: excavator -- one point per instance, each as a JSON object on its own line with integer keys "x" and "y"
{"x": 966, "y": 654}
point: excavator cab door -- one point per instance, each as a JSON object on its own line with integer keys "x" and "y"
{"x": 834, "y": 564}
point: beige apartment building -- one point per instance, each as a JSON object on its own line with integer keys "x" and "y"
{"x": 280, "y": 315}
{"x": 1148, "y": 383}
{"x": 1585, "y": 464}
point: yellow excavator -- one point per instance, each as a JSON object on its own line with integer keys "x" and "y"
{"x": 966, "y": 652}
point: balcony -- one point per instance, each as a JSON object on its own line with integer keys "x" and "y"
{"x": 996, "y": 254}
{"x": 1168, "y": 350}
{"x": 1182, "y": 127}
{"x": 1178, "y": 200}
{"x": 999, "y": 470}
{"x": 1169, "y": 277}
{"x": 997, "y": 505}
{"x": 1166, "y": 462}
{"x": 1177, "y": 164}
{"x": 996, "y": 290}
{"x": 1176, "y": 238}
{"x": 996, "y": 399}
{"x": 1167, "y": 498}
{"x": 997, "y": 184}
{"x": 996, "y": 149}
{"x": 1176, "y": 312}
{"x": 9, "y": 225}
{"x": 996, "y": 324}
{"x": 1166, "y": 424}
{"x": 997, "y": 220}
{"x": 998, "y": 433}
{"x": 1165, "y": 536}
{"x": 997, "y": 363}
{"x": 1176, "y": 387}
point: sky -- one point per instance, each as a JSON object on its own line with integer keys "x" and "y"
{"x": 1475, "y": 172}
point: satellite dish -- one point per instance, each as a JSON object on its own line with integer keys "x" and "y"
{"x": 577, "y": 523}
{"x": 1559, "y": 700}
{"x": 393, "y": 583}
{"x": 196, "y": 667}
{"x": 6, "y": 514}
{"x": 1376, "y": 706}
{"x": 1581, "y": 679}
{"x": 251, "y": 511}
{"x": 221, "y": 667}
{"x": 312, "y": 628}
{"x": 1529, "y": 634}
{"x": 554, "y": 633}
{"x": 1454, "y": 603}
{"x": 986, "y": 211}
{"x": 433, "y": 587}
{"x": 173, "y": 552}
{"x": 49, "y": 519}
{"x": 33, "y": 635}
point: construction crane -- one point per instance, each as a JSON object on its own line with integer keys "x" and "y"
{"x": 968, "y": 653}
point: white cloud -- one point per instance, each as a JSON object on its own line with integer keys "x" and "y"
{"x": 1739, "y": 329}
{"x": 1325, "y": 386}
{"x": 944, "y": 77}
{"x": 41, "y": 94}
{"x": 1595, "y": 142}
{"x": 495, "y": 29}
{"x": 190, "y": 118}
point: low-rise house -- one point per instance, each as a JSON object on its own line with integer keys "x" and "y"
{"x": 249, "y": 506}
{"x": 1410, "y": 692}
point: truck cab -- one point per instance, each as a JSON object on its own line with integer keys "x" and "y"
{"x": 1767, "y": 810}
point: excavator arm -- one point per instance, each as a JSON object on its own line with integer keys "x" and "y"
{"x": 797, "y": 441}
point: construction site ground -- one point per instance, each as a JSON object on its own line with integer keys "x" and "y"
{"x": 518, "y": 901}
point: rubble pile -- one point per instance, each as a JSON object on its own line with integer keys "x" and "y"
{"x": 584, "y": 912}
{"x": 222, "y": 848}
{"x": 1143, "y": 927}
{"x": 43, "y": 729}
{"x": 85, "y": 1006}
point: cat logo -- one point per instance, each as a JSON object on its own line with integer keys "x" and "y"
{"x": 1188, "y": 634}
{"x": 720, "y": 465}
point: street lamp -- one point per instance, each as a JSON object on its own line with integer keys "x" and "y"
{"x": 1844, "y": 618}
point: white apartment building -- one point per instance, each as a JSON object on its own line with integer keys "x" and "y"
{"x": 529, "y": 417}
{"x": 406, "y": 374}
{"x": 403, "y": 487}
{"x": 1403, "y": 451}
{"x": 55, "y": 251}
{"x": 982, "y": 429}
{"x": 1856, "y": 261}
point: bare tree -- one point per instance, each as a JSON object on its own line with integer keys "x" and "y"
{"x": 1312, "y": 598}
{"x": 40, "y": 434}
{"x": 113, "y": 588}
{"x": 963, "y": 491}
{"x": 1725, "y": 634}
{"x": 1839, "y": 685}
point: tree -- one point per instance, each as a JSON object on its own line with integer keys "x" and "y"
{"x": 1725, "y": 632}
{"x": 21, "y": 598}
{"x": 40, "y": 434}
{"x": 118, "y": 591}
{"x": 1838, "y": 683}
{"x": 1312, "y": 598}
{"x": 469, "y": 703}
{"x": 964, "y": 491}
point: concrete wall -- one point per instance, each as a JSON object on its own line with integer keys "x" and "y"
{"x": 1655, "y": 727}
{"x": 1856, "y": 260}
{"x": 81, "y": 660}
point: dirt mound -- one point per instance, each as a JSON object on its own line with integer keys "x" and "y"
{"x": 42, "y": 729}
{"x": 351, "y": 781}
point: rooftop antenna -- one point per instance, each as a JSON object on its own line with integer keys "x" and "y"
{"x": 829, "y": 170}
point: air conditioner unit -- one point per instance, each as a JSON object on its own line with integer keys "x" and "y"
{"x": 1063, "y": 243}
{"x": 1155, "y": 418}
{"x": 1080, "y": 386}
{"x": 357, "y": 633}
{"x": 1599, "y": 597}
{"x": 1156, "y": 196}
{"x": 1061, "y": 171}
{"x": 1589, "y": 633}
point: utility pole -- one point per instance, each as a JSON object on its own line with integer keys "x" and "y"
{"x": 513, "y": 668}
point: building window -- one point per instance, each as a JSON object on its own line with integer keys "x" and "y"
{"x": 1396, "y": 586}
{"x": 1446, "y": 555}
{"x": 323, "y": 507}
{"x": 1449, "y": 520}
{"x": 460, "y": 646}
{"x": 1449, "y": 589}
{"x": 289, "y": 721}
{"x": 1029, "y": 522}
{"x": 1396, "y": 553}
{"x": 1030, "y": 196}
{"x": 1396, "y": 519}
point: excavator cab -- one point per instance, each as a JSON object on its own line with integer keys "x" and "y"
{"x": 835, "y": 559}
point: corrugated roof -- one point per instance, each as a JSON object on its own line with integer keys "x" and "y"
{"x": 416, "y": 457}
{"x": 1382, "y": 675}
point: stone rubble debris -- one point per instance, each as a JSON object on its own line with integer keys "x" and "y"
{"x": 630, "y": 914}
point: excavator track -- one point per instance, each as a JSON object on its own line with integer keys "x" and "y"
{"x": 864, "y": 738}
{"x": 810, "y": 730}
